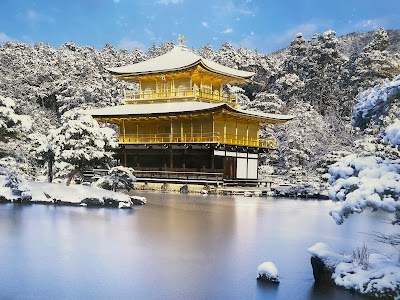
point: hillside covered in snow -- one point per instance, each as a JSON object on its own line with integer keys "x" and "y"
{"x": 317, "y": 80}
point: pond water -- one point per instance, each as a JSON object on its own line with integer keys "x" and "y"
{"x": 175, "y": 247}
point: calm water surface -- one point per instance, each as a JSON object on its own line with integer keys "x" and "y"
{"x": 175, "y": 247}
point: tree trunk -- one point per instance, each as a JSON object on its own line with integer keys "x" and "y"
{"x": 50, "y": 169}
{"x": 71, "y": 176}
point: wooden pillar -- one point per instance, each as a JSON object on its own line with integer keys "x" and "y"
{"x": 183, "y": 160}
{"x": 171, "y": 132}
{"x": 201, "y": 129}
{"x": 123, "y": 129}
{"x": 182, "y": 131}
{"x": 213, "y": 127}
{"x": 224, "y": 130}
{"x": 191, "y": 129}
{"x": 171, "y": 159}
{"x": 125, "y": 159}
{"x": 220, "y": 92}
{"x": 211, "y": 91}
{"x": 247, "y": 135}
{"x": 212, "y": 160}
{"x": 236, "y": 133}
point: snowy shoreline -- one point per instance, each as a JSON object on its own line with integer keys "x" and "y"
{"x": 376, "y": 275}
{"x": 31, "y": 192}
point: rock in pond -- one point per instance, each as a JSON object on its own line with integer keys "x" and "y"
{"x": 267, "y": 271}
{"x": 137, "y": 200}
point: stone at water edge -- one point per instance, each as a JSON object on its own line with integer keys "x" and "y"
{"x": 324, "y": 261}
{"x": 267, "y": 271}
{"x": 137, "y": 200}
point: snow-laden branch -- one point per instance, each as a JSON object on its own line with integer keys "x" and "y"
{"x": 10, "y": 122}
{"x": 375, "y": 102}
{"x": 371, "y": 181}
{"x": 361, "y": 182}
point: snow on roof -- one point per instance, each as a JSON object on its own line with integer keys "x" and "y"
{"x": 178, "y": 58}
{"x": 173, "y": 108}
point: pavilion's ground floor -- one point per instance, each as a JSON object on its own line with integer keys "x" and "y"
{"x": 232, "y": 162}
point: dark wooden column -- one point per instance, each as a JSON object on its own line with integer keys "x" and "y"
{"x": 183, "y": 160}
{"x": 125, "y": 159}
{"x": 171, "y": 160}
{"x": 212, "y": 160}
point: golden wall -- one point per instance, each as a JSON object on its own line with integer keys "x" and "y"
{"x": 223, "y": 130}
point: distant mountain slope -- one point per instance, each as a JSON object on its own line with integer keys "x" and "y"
{"x": 354, "y": 42}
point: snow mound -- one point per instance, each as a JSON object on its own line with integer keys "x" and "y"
{"x": 268, "y": 271}
{"x": 382, "y": 279}
{"x": 41, "y": 192}
{"x": 327, "y": 255}
{"x": 361, "y": 182}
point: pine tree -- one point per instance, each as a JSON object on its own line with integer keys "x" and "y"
{"x": 80, "y": 143}
{"x": 374, "y": 63}
{"x": 11, "y": 123}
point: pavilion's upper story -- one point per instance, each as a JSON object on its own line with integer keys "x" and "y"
{"x": 179, "y": 75}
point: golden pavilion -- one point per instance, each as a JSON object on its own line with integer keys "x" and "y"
{"x": 181, "y": 120}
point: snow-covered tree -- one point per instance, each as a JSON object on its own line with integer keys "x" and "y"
{"x": 322, "y": 69}
{"x": 304, "y": 140}
{"x": 117, "y": 178}
{"x": 45, "y": 82}
{"x": 228, "y": 56}
{"x": 374, "y": 63}
{"x": 371, "y": 181}
{"x": 266, "y": 102}
{"x": 43, "y": 152}
{"x": 11, "y": 123}
{"x": 80, "y": 143}
{"x": 296, "y": 53}
{"x": 206, "y": 52}
{"x": 155, "y": 50}
{"x": 289, "y": 87}
{"x": 242, "y": 99}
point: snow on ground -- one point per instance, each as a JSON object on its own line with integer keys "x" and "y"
{"x": 380, "y": 279}
{"x": 268, "y": 271}
{"x": 327, "y": 255}
{"x": 74, "y": 194}
{"x": 361, "y": 182}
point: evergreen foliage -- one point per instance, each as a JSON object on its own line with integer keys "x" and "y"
{"x": 318, "y": 79}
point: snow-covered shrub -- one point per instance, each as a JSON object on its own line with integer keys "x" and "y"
{"x": 19, "y": 187}
{"x": 118, "y": 178}
{"x": 360, "y": 181}
{"x": 10, "y": 122}
{"x": 361, "y": 256}
{"x": 376, "y": 102}
{"x": 266, "y": 102}
{"x": 368, "y": 273}
{"x": 80, "y": 143}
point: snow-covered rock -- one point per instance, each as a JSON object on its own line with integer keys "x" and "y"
{"x": 137, "y": 200}
{"x": 381, "y": 279}
{"x": 58, "y": 193}
{"x": 327, "y": 255}
{"x": 268, "y": 271}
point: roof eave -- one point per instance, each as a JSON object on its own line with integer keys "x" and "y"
{"x": 180, "y": 69}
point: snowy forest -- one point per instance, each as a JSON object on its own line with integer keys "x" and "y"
{"x": 319, "y": 81}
